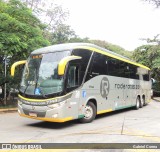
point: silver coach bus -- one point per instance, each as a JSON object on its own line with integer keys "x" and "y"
{"x": 78, "y": 81}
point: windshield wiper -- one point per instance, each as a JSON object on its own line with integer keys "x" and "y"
{"x": 26, "y": 88}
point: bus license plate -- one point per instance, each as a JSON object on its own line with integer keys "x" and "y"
{"x": 33, "y": 114}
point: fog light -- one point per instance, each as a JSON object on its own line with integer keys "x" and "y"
{"x": 55, "y": 115}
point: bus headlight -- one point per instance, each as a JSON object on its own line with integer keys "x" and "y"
{"x": 56, "y": 105}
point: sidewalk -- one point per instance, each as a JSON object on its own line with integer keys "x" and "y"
{"x": 8, "y": 110}
{"x": 11, "y": 106}
{"x": 156, "y": 99}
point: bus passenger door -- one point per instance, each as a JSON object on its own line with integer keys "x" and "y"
{"x": 72, "y": 83}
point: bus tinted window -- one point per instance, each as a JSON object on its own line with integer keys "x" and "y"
{"x": 105, "y": 65}
{"x": 99, "y": 64}
{"x": 123, "y": 69}
{"x": 113, "y": 67}
{"x": 85, "y": 54}
{"x": 73, "y": 76}
{"x": 146, "y": 76}
{"x": 133, "y": 72}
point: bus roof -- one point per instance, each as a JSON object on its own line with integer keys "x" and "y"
{"x": 60, "y": 47}
{"x": 89, "y": 46}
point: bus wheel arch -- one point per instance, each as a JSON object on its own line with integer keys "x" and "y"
{"x": 93, "y": 101}
{"x": 90, "y": 111}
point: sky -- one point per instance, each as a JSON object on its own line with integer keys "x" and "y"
{"x": 121, "y": 22}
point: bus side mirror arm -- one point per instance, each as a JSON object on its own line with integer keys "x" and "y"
{"x": 62, "y": 64}
{"x": 14, "y": 65}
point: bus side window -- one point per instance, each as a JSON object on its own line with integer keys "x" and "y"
{"x": 133, "y": 72}
{"x": 73, "y": 76}
{"x": 113, "y": 67}
{"x": 146, "y": 77}
{"x": 124, "y": 69}
{"x": 99, "y": 65}
{"x": 83, "y": 63}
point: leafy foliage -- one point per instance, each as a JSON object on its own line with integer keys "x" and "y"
{"x": 154, "y": 2}
{"x": 20, "y": 33}
{"x": 50, "y": 13}
{"x": 112, "y": 47}
{"x": 149, "y": 55}
{"x": 63, "y": 33}
{"x": 154, "y": 53}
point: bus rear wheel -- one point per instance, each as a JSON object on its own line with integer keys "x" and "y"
{"x": 138, "y": 103}
{"x": 90, "y": 113}
{"x": 144, "y": 101}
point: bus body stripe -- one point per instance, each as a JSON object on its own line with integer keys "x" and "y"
{"x": 40, "y": 100}
{"x": 104, "y": 111}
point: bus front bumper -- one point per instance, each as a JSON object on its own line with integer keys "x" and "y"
{"x": 48, "y": 119}
{"x": 42, "y": 113}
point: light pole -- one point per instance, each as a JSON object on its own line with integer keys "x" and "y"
{"x": 5, "y": 74}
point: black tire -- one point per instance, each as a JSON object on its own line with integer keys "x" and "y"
{"x": 90, "y": 113}
{"x": 144, "y": 101}
{"x": 138, "y": 103}
{"x": 141, "y": 103}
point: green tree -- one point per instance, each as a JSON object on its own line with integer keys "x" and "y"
{"x": 20, "y": 33}
{"x": 62, "y": 34}
{"x": 149, "y": 55}
{"x": 112, "y": 47}
{"x": 50, "y": 13}
{"x": 154, "y": 2}
{"x": 155, "y": 52}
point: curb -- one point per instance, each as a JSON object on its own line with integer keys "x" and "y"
{"x": 156, "y": 99}
{"x": 9, "y": 110}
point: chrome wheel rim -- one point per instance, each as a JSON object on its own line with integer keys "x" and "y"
{"x": 88, "y": 112}
{"x": 137, "y": 103}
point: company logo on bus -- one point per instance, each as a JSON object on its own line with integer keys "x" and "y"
{"x": 104, "y": 87}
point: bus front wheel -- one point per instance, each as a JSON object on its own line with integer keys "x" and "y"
{"x": 89, "y": 114}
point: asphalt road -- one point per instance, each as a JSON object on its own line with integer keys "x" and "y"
{"x": 125, "y": 126}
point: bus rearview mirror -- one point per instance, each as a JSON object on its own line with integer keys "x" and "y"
{"x": 62, "y": 64}
{"x": 15, "y": 65}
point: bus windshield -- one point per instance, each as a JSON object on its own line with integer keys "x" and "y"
{"x": 40, "y": 75}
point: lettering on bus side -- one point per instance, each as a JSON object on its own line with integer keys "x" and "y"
{"x": 127, "y": 86}
{"x": 104, "y": 87}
